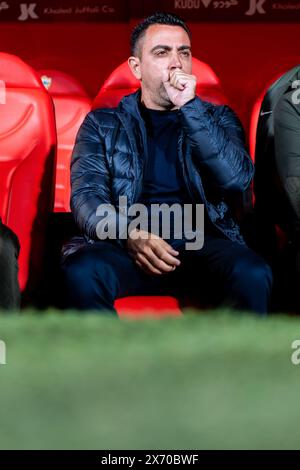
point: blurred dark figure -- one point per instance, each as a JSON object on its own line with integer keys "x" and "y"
{"x": 277, "y": 185}
{"x": 9, "y": 286}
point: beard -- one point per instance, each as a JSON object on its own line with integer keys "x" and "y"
{"x": 157, "y": 94}
{"x": 161, "y": 97}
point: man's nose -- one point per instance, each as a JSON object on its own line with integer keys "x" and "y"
{"x": 175, "y": 62}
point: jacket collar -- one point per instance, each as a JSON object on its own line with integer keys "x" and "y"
{"x": 131, "y": 104}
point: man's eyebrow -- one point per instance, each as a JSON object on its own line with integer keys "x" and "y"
{"x": 181, "y": 48}
{"x": 168, "y": 48}
{"x": 161, "y": 46}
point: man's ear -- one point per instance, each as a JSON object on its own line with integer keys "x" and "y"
{"x": 135, "y": 67}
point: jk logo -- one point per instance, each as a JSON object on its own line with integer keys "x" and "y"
{"x": 2, "y": 92}
{"x": 256, "y": 6}
{"x": 2, "y": 353}
{"x": 27, "y": 11}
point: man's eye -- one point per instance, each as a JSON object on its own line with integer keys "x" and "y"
{"x": 185, "y": 53}
{"x": 161, "y": 53}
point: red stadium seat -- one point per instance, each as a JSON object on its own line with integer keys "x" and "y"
{"x": 121, "y": 82}
{"x": 253, "y": 124}
{"x": 27, "y": 161}
{"x": 137, "y": 306}
{"x": 71, "y": 104}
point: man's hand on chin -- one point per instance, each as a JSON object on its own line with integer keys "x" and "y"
{"x": 180, "y": 86}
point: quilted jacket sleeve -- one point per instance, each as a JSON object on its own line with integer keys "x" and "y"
{"x": 90, "y": 183}
{"x": 217, "y": 140}
{"x": 287, "y": 145}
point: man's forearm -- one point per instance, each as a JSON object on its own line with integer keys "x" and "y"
{"x": 217, "y": 145}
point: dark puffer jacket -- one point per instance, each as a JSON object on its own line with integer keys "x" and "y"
{"x": 111, "y": 149}
{"x": 277, "y": 157}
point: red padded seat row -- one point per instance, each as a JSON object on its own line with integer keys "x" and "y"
{"x": 141, "y": 306}
{"x": 71, "y": 103}
{"x": 27, "y": 160}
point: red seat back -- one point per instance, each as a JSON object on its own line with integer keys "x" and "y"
{"x": 71, "y": 104}
{"x": 121, "y": 82}
{"x": 27, "y": 159}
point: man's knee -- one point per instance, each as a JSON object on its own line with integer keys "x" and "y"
{"x": 89, "y": 280}
{"x": 252, "y": 270}
{"x": 249, "y": 284}
{"x": 251, "y": 277}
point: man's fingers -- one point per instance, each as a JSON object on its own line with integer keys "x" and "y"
{"x": 153, "y": 254}
{"x": 143, "y": 267}
{"x": 170, "y": 249}
{"x": 165, "y": 76}
{"x": 146, "y": 264}
{"x": 140, "y": 265}
{"x": 178, "y": 82}
{"x": 180, "y": 79}
{"x": 163, "y": 254}
{"x": 158, "y": 263}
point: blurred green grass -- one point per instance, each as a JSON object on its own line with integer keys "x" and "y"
{"x": 213, "y": 380}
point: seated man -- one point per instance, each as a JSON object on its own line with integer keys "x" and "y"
{"x": 162, "y": 145}
{"x": 277, "y": 138}
{"x": 277, "y": 181}
{"x": 9, "y": 286}
{"x": 287, "y": 156}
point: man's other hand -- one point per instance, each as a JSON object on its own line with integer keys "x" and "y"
{"x": 151, "y": 253}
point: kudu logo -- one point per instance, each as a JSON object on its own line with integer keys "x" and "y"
{"x": 191, "y": 4}
{"x": 256, "y": 6}
{"x": 27, "y": 11}
{"x": 2, "y": 353}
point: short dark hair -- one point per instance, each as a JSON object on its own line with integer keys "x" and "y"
{"x": 157, "y": 18}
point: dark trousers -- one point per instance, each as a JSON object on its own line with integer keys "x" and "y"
{"x": 9, "y": 286}
{"x": 227, "y": 272}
